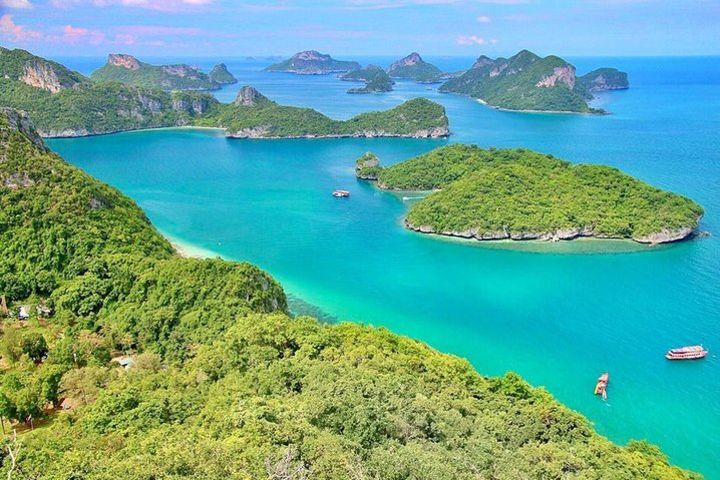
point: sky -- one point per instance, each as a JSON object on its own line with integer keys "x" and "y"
{"x": 345, "y": 28}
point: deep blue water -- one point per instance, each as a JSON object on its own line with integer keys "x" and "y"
{"x": 557, "y": 314}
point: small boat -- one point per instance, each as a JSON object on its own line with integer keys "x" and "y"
{"x": 341, "y": 194}
{"x": 601, "y": 386}
{"x": 687, "y": 353}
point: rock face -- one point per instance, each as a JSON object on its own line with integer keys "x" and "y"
{"x": 312, "y": 62}
{"x": 18, "y": 120}
{"x": 481, "y": 61}
{"x": 565, "y": 75}
{"x": 192, "y": 106}
{"x": 124, "y": 61}
{"x": 41, "y": 74}
{"x": 249, "y": 97}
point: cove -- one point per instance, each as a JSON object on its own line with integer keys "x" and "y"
{"x": 559, "y": 317}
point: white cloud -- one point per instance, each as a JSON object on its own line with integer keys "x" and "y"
{"x": 483, "y": 19}
{"x": 12, "y": 31}
{"x": 162, "y": 5}
{"x": 475, "y": 40}
{"x": 15, "y": 3}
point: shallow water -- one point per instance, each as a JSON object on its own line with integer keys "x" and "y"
{"x": 559, "y": 314}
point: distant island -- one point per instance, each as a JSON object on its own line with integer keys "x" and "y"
{"x": 221, "y": 75}
{"x": 252, "y": 115}
{"x": 375, "y": 78}
{"x": 413, "y": 67}
{"x": 518, "y": 194}
{"x": 527, "y": 82}
{"x": 311, "y": 62}
{"x": 64, "y": 103}
{"x": 136, "y": 350}
{"x": 129, "y": 70}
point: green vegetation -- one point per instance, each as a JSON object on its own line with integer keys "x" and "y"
{"x": 220, "y": 75}
{"x": 367, "y": 167}
{"x": 15, "y": 64}
{"x": 266, "y": 119}
{"x": 127, "y": 69}
{"x": 311, "y": 62}
{"x": 415, "y": 68}
{"x": 375, "y": 78}
{"x": 92, "y": 108}
{"x": 526, "y": 82}
{"x": 102, "y": 107}
{"x": 520, "y": 194}
{"x": 223, "y": 383}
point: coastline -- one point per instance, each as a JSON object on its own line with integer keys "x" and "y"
{"x": 188, "y": 250}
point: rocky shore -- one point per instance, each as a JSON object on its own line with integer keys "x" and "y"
{"x": 656, "y": 238}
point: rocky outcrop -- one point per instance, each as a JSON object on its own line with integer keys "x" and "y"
{"x": 415, "y": 68}
{"x": 12, "y": 119}
{"x": 124, "y": 61}
{"x": 367, "y": 167}
{"x": 603, "y": 80}
{"x": 248, "y": 96}
{"x": 666, "y": 236}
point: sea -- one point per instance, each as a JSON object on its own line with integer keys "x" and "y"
{"x": 559, "y": 314}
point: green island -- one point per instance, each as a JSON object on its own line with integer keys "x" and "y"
{"x": 312, "y": 62}
{"x": 63, "y": 103}
{"x": 375, "y": 78}
{"x": 129, "y": 70}
{"x": 134, "y": 362}
{"x": 413, "y": 67}
{"x": 221, "y": 75}
{"x": 527, "y": 82}
{"x": 518, "y": 194}
{"x": 253, "y": 115}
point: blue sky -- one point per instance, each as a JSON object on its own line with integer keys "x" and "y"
{"x": 361, "y": 27}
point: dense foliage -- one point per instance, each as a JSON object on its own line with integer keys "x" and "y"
{"x": 164, "y": 77}
{"x": 515, "y": 83}
{"x": 367, "y": 167}
{"x": 96, "y": 107}
{"x": 268, "y": 119}
{"x": 523, "y": 194}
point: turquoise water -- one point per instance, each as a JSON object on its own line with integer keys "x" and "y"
{"x": 557, "y": 314}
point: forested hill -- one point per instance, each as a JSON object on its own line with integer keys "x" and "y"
{"x": 220, "y": 381}
{"x": 519, "y": 194}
